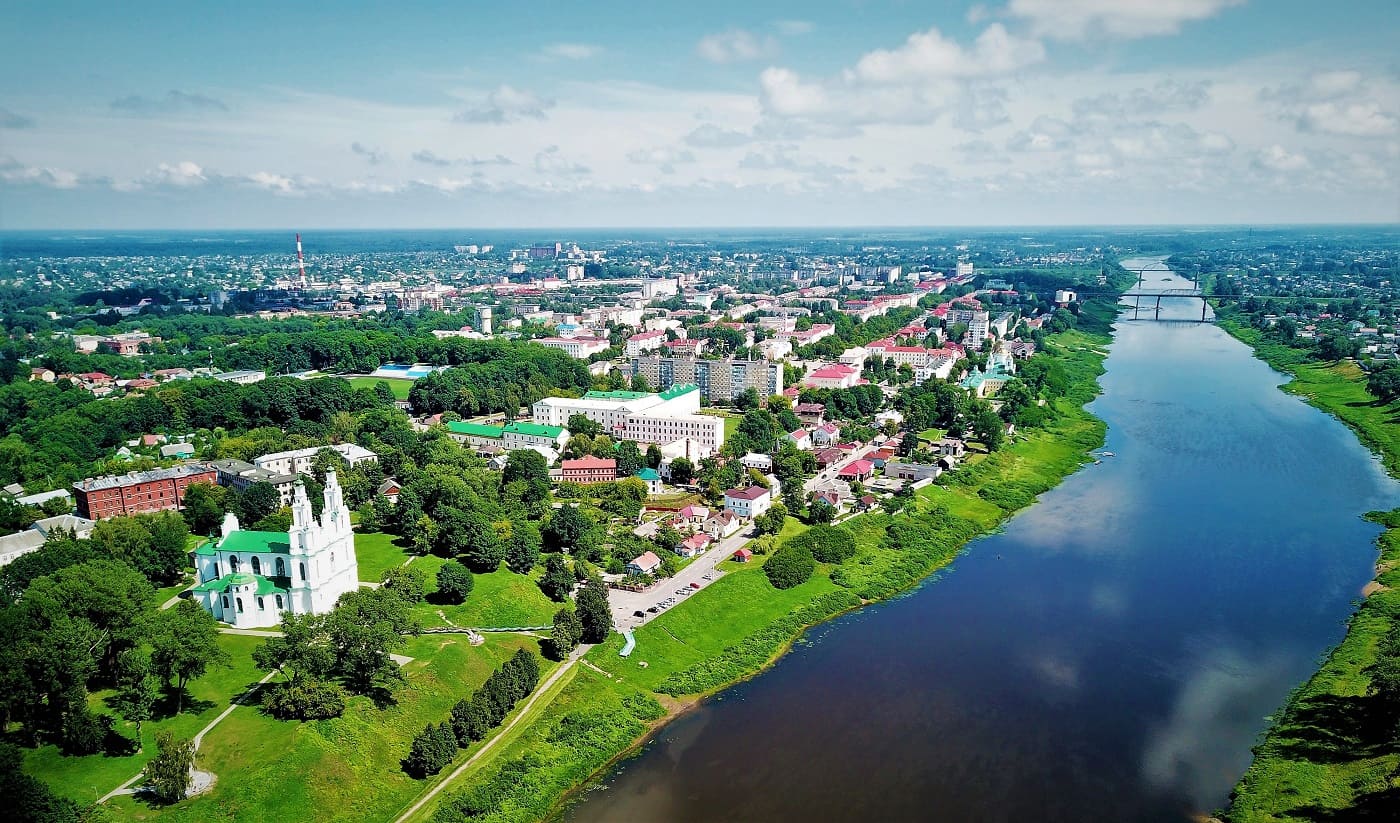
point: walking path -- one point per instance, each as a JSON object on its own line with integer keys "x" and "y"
{"x": 129, "y": 786}
{"x": 501, "y": 735}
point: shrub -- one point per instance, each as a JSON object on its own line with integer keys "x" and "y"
{"x": 84, "y": 732}
{"x": 433, "y": 748}
{"x": 828, "y": 544}
{"x": 304, "y": 700}
{"x": 454, "y": 582}
{"x": 790, "y": 566}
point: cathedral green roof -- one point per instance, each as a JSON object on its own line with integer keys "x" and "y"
{"x": 256, "y": 542}
{"x": 265, "y": 585}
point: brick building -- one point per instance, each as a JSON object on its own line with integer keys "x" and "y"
{"x": 136, "y": 492}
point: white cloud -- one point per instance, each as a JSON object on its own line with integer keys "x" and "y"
{"x": 507, "y": 104}
{"x": 736, "y": 46}
{"x": 572, "y": 51}
{"x": 663, "y": 157}
{"x": 1077, "y": 19}
{"x": 429, "y": 158}
{"x": 12, "y": 171}
{"x": 1165, "y": 96}
{"x": 1361, "y": 119}
{"x": 710, "y": 136}
{"x": 929, "y": 55}
{"x": 182, "y": 174}
{"x": 782, "y": 92}
{"x": 1277, "y": 158}
{"x": 272, "y": 182}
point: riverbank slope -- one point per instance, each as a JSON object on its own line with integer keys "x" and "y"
{"x": 737, "y": 627}
{"x": 1326, "y": 756}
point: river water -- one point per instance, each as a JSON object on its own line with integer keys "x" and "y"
{"x": 1112, "y": 655}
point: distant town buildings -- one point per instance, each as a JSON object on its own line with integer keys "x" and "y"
{"x": 719, "y": 380}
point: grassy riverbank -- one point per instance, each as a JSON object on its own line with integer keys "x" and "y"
{"x": 738, "y": 626}
{"x": 1328, "y": 756}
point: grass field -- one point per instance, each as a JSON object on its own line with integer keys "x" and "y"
{"x": 86, "y": 778}
{"x": 375, "y": 552}
{"x": 346, "y": 769}
{"x": 501, "y": 599}
{"x": 398, "y": 385}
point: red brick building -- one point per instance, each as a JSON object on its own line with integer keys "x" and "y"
{"x": 588, "y": 469}
{"x": 149, "y": 491}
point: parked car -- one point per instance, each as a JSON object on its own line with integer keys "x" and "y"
{"x": 695, "y": 585}
{"x": 653, "y": 610}
{"x": 639, "y": 613}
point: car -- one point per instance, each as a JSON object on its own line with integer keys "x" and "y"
{"x": 653, "y": 610}
{"x": 639, "y": 613}
{"x": 695, "y": 585}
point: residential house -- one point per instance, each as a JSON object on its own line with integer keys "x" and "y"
{"x": 390, "y": 490}
{"x": 693, "y": 545}
{"x": 912, "y": 471}
{"x": 826, "y": 434}
{"x": 811, "y": 414}
{"x": 801, "y": 438}
{"x": 743, "y": 556}
{"x": 952, "y": 447}
{"x": 749, "y": 502}
{"x": 856, "y": 470}
{"x": 652, "y": 478}
{"x": 723, "y": 524}
{"x": 646, "y": 563}
{"x": 829, "y": 457}
{"x": 756, "y": 460}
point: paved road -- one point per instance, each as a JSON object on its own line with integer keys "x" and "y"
{"x": 830, "y": 472}
{"x": 624, "y": 603}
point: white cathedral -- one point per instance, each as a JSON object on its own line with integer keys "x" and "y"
{"x": 248, "y": 579}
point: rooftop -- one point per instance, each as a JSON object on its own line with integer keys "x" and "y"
{"x": 473, "y": 429}
{"x": 116, "y": 481}
{"x": 751, "y": 493}
{"x": 534, "y": 429}
{"x": 255, "y": 542}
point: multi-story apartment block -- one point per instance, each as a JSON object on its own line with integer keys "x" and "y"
{"x": 719, "y": 380}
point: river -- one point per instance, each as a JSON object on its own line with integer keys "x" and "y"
{"x": 1111, "y": 655}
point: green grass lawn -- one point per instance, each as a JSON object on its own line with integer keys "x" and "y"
{"x": 501, "y": 599}
{"x": 345, "y": 769}
{"x": 85, "y": 778}
{"x": 712, "y": 619}
{"x": 399, "y": 385}
{"x": 375, "y": 552}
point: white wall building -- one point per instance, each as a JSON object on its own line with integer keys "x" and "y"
{"x": 248, "y": 579}
{"x": 301, "y": 460}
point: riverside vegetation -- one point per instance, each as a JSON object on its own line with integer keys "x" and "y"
{"x": 1333, "y": 751}
{"x": 736, "y": 627}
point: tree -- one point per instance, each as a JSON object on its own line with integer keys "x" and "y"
{"x": 408, "y": 583}
{"x": 557, "y": 581}
{"x": 987, "y": 427}
{"x": 789, "y": 566}
{"x": 821, "y": 512}
{"x": 593, "y": 611}
{"x": 136, "y": 693}
{"x": 168, "y": 773}
{"x": 666, "y": 538}
{"x": 748, "y": 399}
{"x": 384, "y": 393}
{"x": 257, "y": 501}
{"x": 184, "y": 642}
{"x": 629, "y": 459}
{"x": 433, "y": 748}
{"x": 168, "y": 550}
{"x": 204, "y": 507}
{"x": 566, "y": 526}
{"x": 580, "y": 424}
{"x": 303, "y": 651}
{"x": 365, "y": 627}
{"x": 653, "y": 456}
{"x": 771, "y": 521}
{"x": 454, "y": 582}
{"x": 28, "y": 798}
{"x": 523, "y": 546}
{"x": 682, "y": 470}
{"x": 828, "y": 544}
{"x": 567, "y": 631}
{"x": 1384, "y": 382}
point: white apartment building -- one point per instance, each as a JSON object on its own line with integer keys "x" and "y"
{"x": 645, "y": 341}
{"x": 579, "y": 348}
{"x": 301, "y": 460}
{"x": 978, "y": 328}
{"x": 642, "y": 417}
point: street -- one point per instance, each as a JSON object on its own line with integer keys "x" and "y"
{"x": 625, "y": 603}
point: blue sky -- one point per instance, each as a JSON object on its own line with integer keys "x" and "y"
{"x": 864, "y": 112}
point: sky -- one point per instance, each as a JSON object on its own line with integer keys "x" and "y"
{"x": 610, "y": 114}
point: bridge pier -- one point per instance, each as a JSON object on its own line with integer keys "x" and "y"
{"x": 1203, "y": 309}
{"x": 1157, "y": 315}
